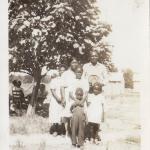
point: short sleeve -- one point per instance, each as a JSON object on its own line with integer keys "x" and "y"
{"x": 64, "y": 80}
{"x": 53, "y": 84}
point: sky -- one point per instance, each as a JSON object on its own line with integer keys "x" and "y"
{"x": 127, "y": 18}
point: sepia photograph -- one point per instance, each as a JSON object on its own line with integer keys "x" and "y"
{"x": 75, "y": 74}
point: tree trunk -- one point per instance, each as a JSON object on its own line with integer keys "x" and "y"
{"x": 32, "y": 104}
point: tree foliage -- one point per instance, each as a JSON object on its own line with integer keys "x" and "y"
{"x": 49, "y": 32}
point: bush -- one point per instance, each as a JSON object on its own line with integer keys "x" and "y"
{"x": 128, "y": 78}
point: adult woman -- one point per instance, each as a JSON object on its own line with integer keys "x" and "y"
{"x": 55, "y": 109}
{"x": 68, "y": 78}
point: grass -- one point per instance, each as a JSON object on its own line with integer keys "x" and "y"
{"x": 122, "y": 126}
{"x": 29, "y": 125}
{"x": 19, "y": 146}
{"x": 133, "y": 139}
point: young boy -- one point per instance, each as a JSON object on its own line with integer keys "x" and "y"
{"x": 78, "y": 119}
{"x": 95, "y": 113}
{"x": 18, "y": 95}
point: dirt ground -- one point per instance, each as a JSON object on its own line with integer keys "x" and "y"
{"x": 120, "y": 131}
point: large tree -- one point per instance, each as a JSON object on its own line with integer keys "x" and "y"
{"x": 50, "y": 32}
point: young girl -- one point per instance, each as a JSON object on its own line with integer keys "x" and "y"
{"x": 78, "y": 120}
{"x": 56, "y": 108}
{"x": 95, "y": 113}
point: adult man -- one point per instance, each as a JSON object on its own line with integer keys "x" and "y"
{"x": 95, "y": 71}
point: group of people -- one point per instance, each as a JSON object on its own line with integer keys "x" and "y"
{"x": 77, "y": 101}
{"x": 76, "y": 96}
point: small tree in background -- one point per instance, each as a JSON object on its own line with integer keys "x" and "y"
{"x": 49, "y": 32}
{"x": 128, "y": 78}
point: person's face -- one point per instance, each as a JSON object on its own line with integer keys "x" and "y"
{"x": 79, "y": 95}
{"x": 74, "y": 64}
{"x": 61, "y": 70}
{"x": 94, "y": 57}
{"x": 96, "y": 89}
{"x": 79, "y": 73}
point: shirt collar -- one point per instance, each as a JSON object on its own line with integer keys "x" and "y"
{"x": 95, "y": 65}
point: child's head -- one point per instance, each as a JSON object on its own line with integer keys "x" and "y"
{"x": 74, "y": 64}
{"x": 79, "y": 72}
{"x": 79, "y": 93}
{"x": 97, "y": 88}
{"x": 61, "y": 69}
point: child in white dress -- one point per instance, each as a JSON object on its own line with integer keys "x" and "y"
{"x": 95, "y": 112}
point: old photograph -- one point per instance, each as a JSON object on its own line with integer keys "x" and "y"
{"x": 75, "y": 74}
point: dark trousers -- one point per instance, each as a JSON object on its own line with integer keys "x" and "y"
{"x": 91, "y": 130}
{"x": 77, "y": 128}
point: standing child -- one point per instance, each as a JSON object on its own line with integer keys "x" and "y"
{"x": 78, "y": 119}
{"x": 95, "y": 113}
{"x": 18, "y": 96}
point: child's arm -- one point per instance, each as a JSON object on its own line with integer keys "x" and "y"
{"x": 71, "y": 96}
{"x": 62, "y": 90}
{"x": 75, "y": 104}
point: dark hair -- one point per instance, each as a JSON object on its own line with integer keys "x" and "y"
{"x": 98, "y": 84}
{"x": 62, "y": 65}
{"x": 14, "y": 82}
{"x": 95, "y": 51}
{"x": 79, "y": 66}
{"x": 74, "y": 58}
{"x": 19, "y": 83}
{"x": 79, "y": 89}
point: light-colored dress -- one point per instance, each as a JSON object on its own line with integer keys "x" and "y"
{"x": 68, "y": 78}
{"x": 94, "y": 110}
{"x": 55, "y": 109}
